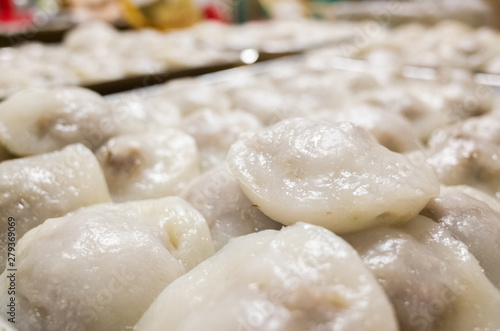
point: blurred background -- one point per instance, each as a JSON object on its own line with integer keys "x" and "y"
{"x": 82, "y": 42}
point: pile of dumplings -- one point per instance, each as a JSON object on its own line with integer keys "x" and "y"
{"x": 300, "y": 198}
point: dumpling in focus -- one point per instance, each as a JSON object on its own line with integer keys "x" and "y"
{"x": 100, "y": 267}
{"x": 303, "y": 277}
{"x": 432, "y": 280}
{"x": 38, "y": 121}
{"x": 149, "y": 165}
{"x": 468, "y": 153}
{"x": 44, "y": 186}
{"x": 228, "y": 212}
{"x": 214, "y": 132}
{"x": 474, "y": 223}
{"x": 333, "y": 175}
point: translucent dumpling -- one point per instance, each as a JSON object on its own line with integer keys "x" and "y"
{"x": 300, "y": 278}
{"x": 100, "y": 267}
{"x": 474, "y": 223}
{"x": 149, "y": 165}
{"x": 432, "y": 280}
{"x": 468, "y": 153}
{"x": 334, "y": 175}
{"x": 228, "y": 212}
{"x": 215, "y": 132}
{"x": 38, "y": 121}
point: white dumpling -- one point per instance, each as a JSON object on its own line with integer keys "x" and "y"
{"x": 490, "y": 200}
{"x": 303, "y": 277}
{"x": 474, "y": 223}
{"x": 334, "y": 175}
{"x": 190, "y": 95}
{"x": 390, "y": 129}
{"x": 468, "y": 153}
{"x": 97, "y": 65}
{"x": 228, "y": 212}
{"x": 214, "y": 132}
{"x": 432, "y": 280}
{"x": 267, "y": 104}
{"x": 49, "y": 185}
{"x": 408, "y": 102}
{"x": 136, "y": 114}
{"x": 100, "y": 267}
{"x": 90, "y": 35}
{"x": 149, "y": 165}
{"x": 38, "y": 121}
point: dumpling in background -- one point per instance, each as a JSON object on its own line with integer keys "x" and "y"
{"x": 390, "y": 129}
{"x": 488, "y": 199}
{"x": 468, "y": 153}
{"x": 149, "y": 165}
{"x": 269, "y": 105}
{"x": 228, "y": 212}
{"x": 137, "y": 114}
{"x": 422, "y": 114}
{"x": 45, "y": 186}
{"x": 38, "y": 121}
{"x": 100, "y": 267}
{"x": 191, "y": 95}
{"x": 333, "y": 175}
{"x": 432, "y": 280}
{"x": 90, "y": 35}
{"x": 303, "y": 277}
{"x": 215, "y": 132}
{"x": 474, "y": 223}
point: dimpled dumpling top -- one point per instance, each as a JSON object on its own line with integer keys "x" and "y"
{"x": 333, "y": 175}
{"x": 37, "y": 121}
{"x": 301, "y": 278}
{"x": 149, "y": 165}
{"x": 100, "y": 267}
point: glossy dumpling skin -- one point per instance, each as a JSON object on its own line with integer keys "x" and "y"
{"x": 333, "y": 175}
{"x": 149, "y": 165}
{"x": 468, "y": 153}
{"x": 45, "y": 186}
{"x": 300, "y": 278}
{"x": 38, "y": 121}
{"x": 215, "y": 132}
{"x": 100, "y": 267}
{"x": 432, "y": 280}
{"x": 228, "y": 212}
{"x": 474, "y": 223}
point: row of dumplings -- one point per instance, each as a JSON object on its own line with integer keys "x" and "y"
{"x": 447, "y": 43}
{"x": 301, "y": 199}
{"x": 96, "y": 52}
